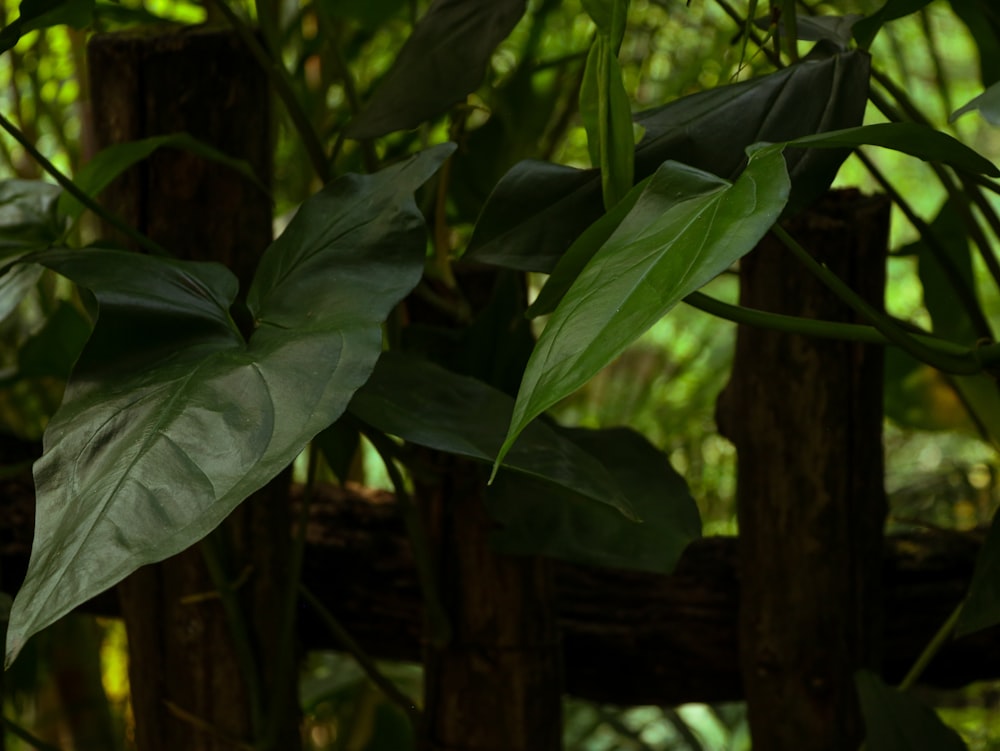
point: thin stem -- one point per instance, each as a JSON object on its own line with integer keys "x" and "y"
{"x": 70, "y": 187}
{"x": 437, "y": 618}
{"x": 949, "y": 363}
{"x": 386, "y": 686}
{"x": 282, "y": 84}
{"x": 933, "y": 647}
{"x": 19, "y": 732}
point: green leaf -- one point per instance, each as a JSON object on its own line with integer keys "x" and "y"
{"x": 982, "y": 605}
{"x": 425, "y": 404}
{"x": 540, "y": 520}
{"x": 444, "y": 59}
{"x": 898, "y": 722}
{"x": 170, "y": 420}
{"x": 52, "y": 351}
{"x": 609, "y": 16}
{"x": 836, "y": 29}
{"x": 686, "y": 228}
{"x": 909, "y": 138}
{"x": 868, "y": 28}
{"x": 538, "y": 209}
{"x": 607, "y": 118}
{"x": 339, "y": 444}
{"x": 29, "y": 218}
{"x": 109, "y": 163}
{"x": 40, "y": 14}
{"x": 987, "y": 103}
{"x": 980, "y": 17}
{"x": 15, "y": 285}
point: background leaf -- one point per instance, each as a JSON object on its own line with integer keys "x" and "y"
{"x": 898, "y": 722}
{"x": 686, "y": 228}
{"x": 39, "y": 14}
{"x": 538, "y": 519}
{"x": 170, "y": 420}
{"x": 443, "y": 60}
{"x": 982, "y": 605}
{"x": 987, "y": 103}
{"x": 867, "y": 28}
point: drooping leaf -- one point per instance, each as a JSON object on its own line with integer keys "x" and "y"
{"x": 40, "y": 14}
{"x": 982, "y": 605}
{"x": 686, "y": 228}
{"x": 29, "y": 218}
{"x": 52, "y": 352}
{"x": 538, "y": 519}
{"x": 443, "y": 60}
{"x": 981, "y": 18}
{"x": 430, "y": 406}
{"x": 170, "y": 420}
{"x": 867, "y": 28}
{"x": 909, "y": 138}
{"x": 538, "y": 209}
{"x": 896, "y": 721}
{"x": 109, "y": 163}
{"x": 987, "y": 103}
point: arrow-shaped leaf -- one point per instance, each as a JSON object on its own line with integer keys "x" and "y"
{"x": 896, "y": 721}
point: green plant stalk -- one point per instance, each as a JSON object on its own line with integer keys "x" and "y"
{"x": 791, "y": 33}
{"x": 212, "y": 553}
{"x": 386, "y": 686}
{"x": 282, "y": 84}
{"x": 70, "y": 187}
{"x": 437, "y": 618}
{"x": 17, "y": 731}
{"x": 933, "y": 647}
{"x": 949, "y": 363}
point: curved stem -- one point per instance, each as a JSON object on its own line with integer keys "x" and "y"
{"x": 933, "y": 647}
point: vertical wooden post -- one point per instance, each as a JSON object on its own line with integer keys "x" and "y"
{"x": 189, "y": 689}
{"x": 806, "y": 418}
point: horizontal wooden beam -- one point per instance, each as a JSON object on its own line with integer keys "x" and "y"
{"x": 628, "y": 638}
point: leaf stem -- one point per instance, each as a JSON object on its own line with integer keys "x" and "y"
{"x": 386, "y": 686}
{"x": 70, "y": 187}
{"x": 933, "y": 647}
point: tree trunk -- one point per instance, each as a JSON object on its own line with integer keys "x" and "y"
{"x": 806, "y": 418}
{"x": 196, "y": 685}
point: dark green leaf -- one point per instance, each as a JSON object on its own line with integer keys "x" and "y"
{"x": 836, "y": 29}
{"x": 109, "y": 163}
{"x": 370, "y": 13}
{"x": 983, "y": 22}
{"x": 539, "y": 519}
{"x": 40, "y": 14}
{"x": 443, "y": 60}
{"x": 52, "y": 352}
{"x": 29, "y": 218}
{"x": 538, "y": 209}
{"x": 686, "y": 228}
{"x": 425, "y": 404}
{"x": 987, "y": 103}
{"x": 15, "y": 284}
{"x": 916, "y": 140}
{"x": 170, "y": 420}
{"x": 339, "y": 445}
{"x": 866, "y": 29}
{"x": 982, "y": 605}
{"x": 898, "y": 722}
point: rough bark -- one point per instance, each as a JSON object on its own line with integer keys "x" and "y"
{"x": 805, "y": 416}
{"x": 189, "y": 688}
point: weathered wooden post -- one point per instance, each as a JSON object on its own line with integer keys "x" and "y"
{"x": 189, "y": 688}
{"x": 806, "y": 418}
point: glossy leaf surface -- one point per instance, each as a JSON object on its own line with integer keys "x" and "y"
{"x": 539, "y": 519}
{"x": 686, "y": 228}
{"x": 896, "y": 721}
{"x": 170, "y": 419}
{"x": 425, "y": 404}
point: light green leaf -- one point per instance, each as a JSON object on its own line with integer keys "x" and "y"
{"x": 896, "y": 721}
{"x": 687, "y": 227}
{"x": 909, "y": 138}
{"x": 988, "y": 104}
{"x": 170, "y": 420}
{"x": 109, "y": 163}
{"x": 609, "y": 16}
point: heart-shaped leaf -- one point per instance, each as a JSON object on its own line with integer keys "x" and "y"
{"x": 170, "y": 419}
{"x": 896, "y": 721}
{"x": 686, "y": 228}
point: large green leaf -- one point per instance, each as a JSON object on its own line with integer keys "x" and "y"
{"x": 170, "y": 420}
{"x": 896, "y": 721}
{"x": 867, "y": 28}
{"x": 109, "y": 163}
{"x": 538, "y": 209}
{"x": 39, "y": 14}
{"x": 539, "y": 519}
{"x": 443, "y": 60}
{"x": 687, "y": 227}
{"x": 987, "y": 104}
{"x": 425, "y": 404}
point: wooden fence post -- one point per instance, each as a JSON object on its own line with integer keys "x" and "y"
{"x": 806, "y": 418}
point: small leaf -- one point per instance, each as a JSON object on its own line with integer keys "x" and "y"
{"x": 867, "y": 28}
{"x": 443, "y": 60}
{"x": 425, "y": 404}
{"x": 686, "y": 228}
{"x": 987, "y": 103}
{"x": 982, "y": 605}
{"x": 109, "y": 163}
{"x": 29, "y": 218}
{"x": 170, "y": 419}
{"x": 896, "y": 721}
{"x": 909, "y": 138}
{"x": 40, "y": 14}
{"x": 540, "y": 520}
